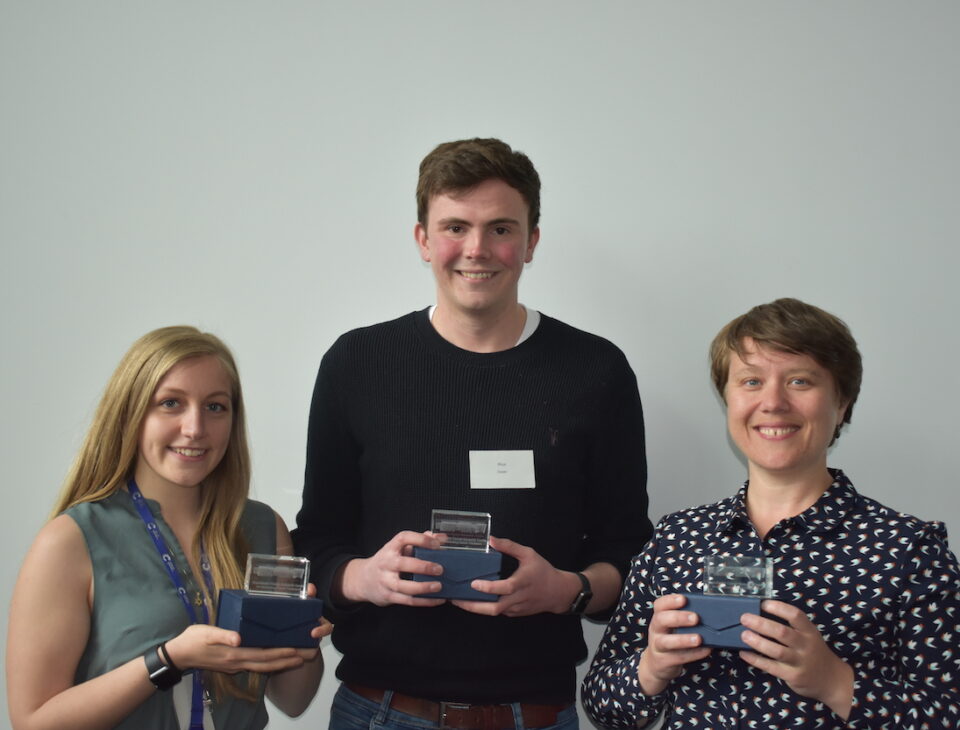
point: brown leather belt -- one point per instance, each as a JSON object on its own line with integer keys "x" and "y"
{"x": 462, "y": 716}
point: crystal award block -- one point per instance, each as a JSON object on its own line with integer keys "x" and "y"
{"x": 276, "y": 575}
{"x": 738, "y": 575}
{"x": 466, "y": 555}
{"x": 273, "y": 609}
{"x": 464, "y": 530}
{"x": 732, "y": 586}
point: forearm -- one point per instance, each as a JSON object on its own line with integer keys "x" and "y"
{"x": 649, "y": 683}
{"x": 344, "y": 588}
{"x": 612, "y": 694}
{"x": 101, "y": 702}
{"x": 840, "y": 695}
{"x": 293, "y": 690}
{"x": 605, "y": 582}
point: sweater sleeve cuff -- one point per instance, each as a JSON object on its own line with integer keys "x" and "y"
{"x": 332, "y": 608}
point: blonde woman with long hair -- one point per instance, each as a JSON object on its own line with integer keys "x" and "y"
{"x": 111, "y": 619}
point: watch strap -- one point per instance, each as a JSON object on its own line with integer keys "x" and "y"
{"x": 162, "y": 676}
{"x": 581, "y": 600}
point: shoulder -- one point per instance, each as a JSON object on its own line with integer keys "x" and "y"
{"x": 897, "y": 525}
{"x": 686, "y": 530}
{"x": 582, "y": 348}
{"x": 60, "y": 551}
{"x": 259, "y": 524}
{"x": 373, "y": 335}
{"x": 255, "y": 512}
{"x": 707, "y": 516}
{"x": 62, "y": 533}
{"x": 574, "y": 337}
{"x": 97, "y": 509}
{"x": 103, "y": 521}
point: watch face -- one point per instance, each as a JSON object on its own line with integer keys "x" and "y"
{"x": 162, "y": 676}
{"x": 581, "y": 601}
{"x": 583, "y": 597}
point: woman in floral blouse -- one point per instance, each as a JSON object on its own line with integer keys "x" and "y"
{"x": 865, "y": 631}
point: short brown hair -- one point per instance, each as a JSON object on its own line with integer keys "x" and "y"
{"x": 789, "y": 325}
{"x": 459, "y": 166}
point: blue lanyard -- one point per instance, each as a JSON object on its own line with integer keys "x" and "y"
{"x": 166, "y": 557}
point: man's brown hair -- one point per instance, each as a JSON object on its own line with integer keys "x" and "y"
{"x": 455, "y": 167}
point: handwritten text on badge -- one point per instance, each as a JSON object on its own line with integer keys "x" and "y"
{"x": 502, "y": 470}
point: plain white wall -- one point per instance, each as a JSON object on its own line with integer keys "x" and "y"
{"x": 249, "y": 167}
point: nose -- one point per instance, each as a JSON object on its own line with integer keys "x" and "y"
{"x": 475, "y": 246}
{"x": 774, "y": 398}
{"x": 193, "y": 423}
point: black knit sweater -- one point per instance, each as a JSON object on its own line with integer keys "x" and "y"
{"x": 396, "y": 411}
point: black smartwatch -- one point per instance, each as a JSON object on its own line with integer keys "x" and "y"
{"x": 163, "y": 676}
{"x": 581, "y": 600}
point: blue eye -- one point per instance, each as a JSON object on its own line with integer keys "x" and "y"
{"x": 217, "y": 408}
{"x": 169, "y": 403}
{"x": 799, "y": 381}
{"x": 751, "y": 382}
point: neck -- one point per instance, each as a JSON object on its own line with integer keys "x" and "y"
{"x": 180, "y": 505}
{"x": 480, "y": 332}
{"x": 771, "y": 499}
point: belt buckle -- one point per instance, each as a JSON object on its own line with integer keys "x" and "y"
{"x": 463, "y": 707}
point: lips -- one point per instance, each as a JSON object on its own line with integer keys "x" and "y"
{"x": 477, "y": 275}
{"x": 189, "y": 452}
{"x": 776, "y": 431}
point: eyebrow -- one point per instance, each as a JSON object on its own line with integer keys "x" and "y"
{"x": 747, "y": 369}
{"x": 168, "y": 390}
{"x": 461, "y": 221}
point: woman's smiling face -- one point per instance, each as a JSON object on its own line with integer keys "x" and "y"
{"x": 782, "y": 411}
{"x": 186, "y": 430}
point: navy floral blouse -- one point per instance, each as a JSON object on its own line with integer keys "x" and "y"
{"x": 881, "y": 586}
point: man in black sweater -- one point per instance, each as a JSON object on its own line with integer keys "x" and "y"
{"x": 476, "y": 404}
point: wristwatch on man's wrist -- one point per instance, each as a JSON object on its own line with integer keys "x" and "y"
{"x": 581, "y": 600}
{"x": 163, "y": 676}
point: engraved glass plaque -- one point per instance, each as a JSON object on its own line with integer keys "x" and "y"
{"x": 738, "y": 575}
{"x": 277, "y": 575}
{"x": 464, "y": 530}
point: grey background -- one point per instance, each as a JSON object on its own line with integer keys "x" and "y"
{"x": 249, "y": 167}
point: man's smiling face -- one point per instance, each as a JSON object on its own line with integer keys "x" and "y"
{"x": 477, "y": 242}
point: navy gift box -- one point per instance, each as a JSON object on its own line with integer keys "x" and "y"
{"x": 460, "y": 567}
{"x": 269, "y": 621}
{"x": 720, "y": 624}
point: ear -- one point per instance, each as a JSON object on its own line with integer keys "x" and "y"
{"x": 532, "y": 244}
{"x": 842, "y": 412}
{"x": 420, "y": 236}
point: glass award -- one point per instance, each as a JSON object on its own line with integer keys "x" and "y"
{"x": 738, "y": 575}
{"x": 273, "y": 609}
{"x": 277, "y": 575}
{"x": 463, "y": 530}
{"x": 465, "y": 555}
{"x": 732, "y": 586}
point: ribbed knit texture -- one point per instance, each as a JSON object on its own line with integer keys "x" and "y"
{"x": 396, "y": 411}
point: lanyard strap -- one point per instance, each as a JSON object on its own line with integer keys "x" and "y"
{"x": 166, "y": 557}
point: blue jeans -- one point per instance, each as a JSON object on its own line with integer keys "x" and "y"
{"x": 350, "y": 711}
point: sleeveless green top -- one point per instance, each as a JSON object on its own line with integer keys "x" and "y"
{"x": 135, "y": 606}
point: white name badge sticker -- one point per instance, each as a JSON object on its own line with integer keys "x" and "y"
{"x": 502, "y": 470}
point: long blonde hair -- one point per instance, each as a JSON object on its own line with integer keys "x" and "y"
{"x": 109, "y": 453}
